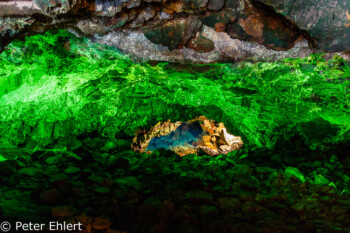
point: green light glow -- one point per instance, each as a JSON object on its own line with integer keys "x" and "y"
{"x": 59, "y": 86}
{"x": 69, "y": 110}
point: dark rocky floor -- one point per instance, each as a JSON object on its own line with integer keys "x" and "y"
{"x": 122, "y": 191}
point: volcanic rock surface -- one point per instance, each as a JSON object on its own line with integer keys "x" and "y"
{"x": 201, "y": 31}
{"x": 124, "y": 191}
{"x": 212, "y": 140}
{"x": 56, "y": 87}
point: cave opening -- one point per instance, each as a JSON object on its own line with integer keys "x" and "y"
{"x": 196, "y": 136}
{"x": 187, "y": 136}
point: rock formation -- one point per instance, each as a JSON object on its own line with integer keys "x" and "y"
{"x": 56, "y": 90}
{"x": 214, "y": 140}
{"x": 201, "y": 31}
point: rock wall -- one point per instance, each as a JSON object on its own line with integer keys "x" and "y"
{"x": 201, "y": 31}
{"x": 56, "y": 89}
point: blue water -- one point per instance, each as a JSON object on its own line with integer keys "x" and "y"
{"x": 184, "y": 135}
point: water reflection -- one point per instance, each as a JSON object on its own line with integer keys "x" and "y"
{"x": 186, "y": 135}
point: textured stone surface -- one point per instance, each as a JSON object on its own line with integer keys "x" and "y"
{"x": 213, "y": 138}
{"x": 199, "y": 31}
{"x": 55, "y": 87}
{"x": 159, "y": 193}
{"x": 226, "y": 48}
{"x": 326, "y": 22}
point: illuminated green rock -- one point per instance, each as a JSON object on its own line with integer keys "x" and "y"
{"x": 294, "y": 172}
{"x": 55, "y": 87}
